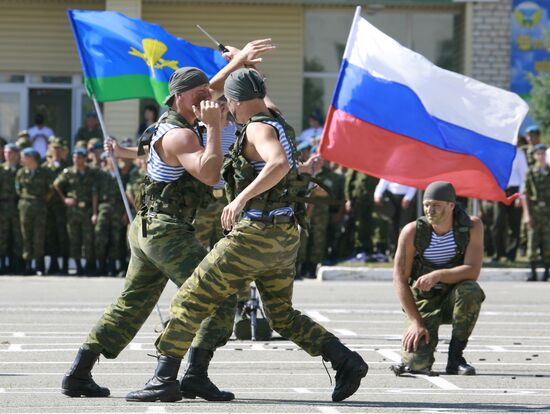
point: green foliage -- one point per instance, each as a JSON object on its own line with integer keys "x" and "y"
{"x": 540, "y": 101}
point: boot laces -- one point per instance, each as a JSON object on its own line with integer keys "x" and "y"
{"x": 328, "y": 373}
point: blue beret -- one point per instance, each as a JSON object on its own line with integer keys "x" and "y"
{"x": 30, "y": 152}
{"x": 532, "y": 128}
{"x": 80, "y": 151}
{"x": 539, "y": 147}
{"x": 11, "y": 146}
{"x": 302, "y": 146}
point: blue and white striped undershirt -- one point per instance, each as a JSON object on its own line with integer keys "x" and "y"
{"x": 157, "y": 169}
{"x": 441, "y": 249}
{"x": 259, "y": 165}
{"x": 228, "y": 138}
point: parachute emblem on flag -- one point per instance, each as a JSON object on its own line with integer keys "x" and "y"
{"x": 153, "y": 50}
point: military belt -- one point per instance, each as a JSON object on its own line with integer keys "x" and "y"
{"x": 272, "y": 219}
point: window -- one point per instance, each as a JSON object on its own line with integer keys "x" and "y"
{"x": 435, "y": 34}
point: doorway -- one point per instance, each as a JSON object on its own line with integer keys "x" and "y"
{"x": 55, "y": 106}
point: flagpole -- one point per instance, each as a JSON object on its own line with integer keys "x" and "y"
{"x": 356, "y": 18}
{"x": 114, "y": 162}
{"x": 119, "y": 182}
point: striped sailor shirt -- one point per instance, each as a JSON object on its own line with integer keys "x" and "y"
{"x": 441, "y": 249}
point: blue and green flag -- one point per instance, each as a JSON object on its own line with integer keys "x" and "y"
{"x": 125, "y": 58}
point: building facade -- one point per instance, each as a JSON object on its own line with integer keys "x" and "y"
{"x": 40, "y": 69}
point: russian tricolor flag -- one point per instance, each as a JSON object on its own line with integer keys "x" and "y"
{"x": 396, "y": 115}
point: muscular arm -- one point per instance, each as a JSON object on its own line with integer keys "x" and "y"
{"x": 402, "y": 270}
{"x": 262, "y": 145}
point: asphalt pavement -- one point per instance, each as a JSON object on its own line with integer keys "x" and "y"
{"x": 43, "y": 321}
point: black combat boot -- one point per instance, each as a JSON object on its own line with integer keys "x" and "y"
{"x": 54, "y": 266}
{"x": 78, "y": 381}
{"x": 195, "y": 382}
{"x": 349, "y": 366}
{"x": 40, "y": 267}
{"x": 28, "y": 268}
{"x": 164, "y": 386}
{"x": 79, "y": 269}
{"x": 533, "y": 276}
{"x": 546, "y": 275}
{"x": 90, "y": 269}
{"x": 102, "y": 269}
{"x": 65, "y": 266}
{"x": 456, "y": 364}
{"x": 111, "y": 267}
{"x": 3, "y": 265}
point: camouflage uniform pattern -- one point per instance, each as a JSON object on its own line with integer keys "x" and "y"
{"x": 81, "y": 187}
{"x": 208, "y": 228}
{"x": 10, "y": 228}
{"x": 252, "y": 251}
{"x": 459, "y": 306}
{"x": 56, "y": 217}
{"x": 169, "y": 252}
{"x": 359, "y": 189}
{"x": 33, "y": 188}
{"x": 110, "y": 211}
{"x": 537, "y": 192}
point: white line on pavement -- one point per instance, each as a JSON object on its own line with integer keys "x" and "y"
{"x": 328, "y": 410}
{"x": 345, "y": 332}
{"x": 18, "y": 334}
{"x": 135, "y": 346}
{"x": 316, "y": 316}
{"x": 156, "y": 409}
{"x": 302, "y": 391}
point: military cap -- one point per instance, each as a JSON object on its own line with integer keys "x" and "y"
{"x": 23, "y": 143}
{"x": 91, "y": 114}
{"x": 302, "y": 146}
{"x": 31, "y": 152}
{"x": 81, "y": 144}
{"x": 12, "y": 147}
{"x": 538, "y": 147}
{"x": 94, "y": 143}
{"x": 80, "y": 151}
{"x": 440, "y": 191}
{"x": 532, "y": 128}
{"x": 23, "y": 133}
{"x": 55, "y": 142}
{"x": 184, "y": 79}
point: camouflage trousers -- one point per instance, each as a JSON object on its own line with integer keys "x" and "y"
{"x": 313, "y": 245}
{"x": 538, "y": 236}
{"x": 81, "y": 233}
{"x": 10, "y": 229}
{"x": 253, "y": 251}
{"x": 459, "y": 306}
{"x": 169, "y": 252}
{"x": 56, "y": 230}
{"x": 208, "y": 228}
{"x": 107, "y": 233}
{"x": 33, "y": 228}
{"x": 364, "y": 227}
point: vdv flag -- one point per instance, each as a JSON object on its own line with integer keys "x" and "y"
{"x": 125, "y": 58}
{"x": 397, "y": 116}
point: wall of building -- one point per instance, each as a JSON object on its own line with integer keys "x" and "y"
{"x": 490, "y": 42}
{"x": 236, "y": 25}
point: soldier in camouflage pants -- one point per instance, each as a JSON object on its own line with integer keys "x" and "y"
{"x": 33, "y": 188}
{"x": 259, "y": 248}
{"x": 438, "y": 286}
{"x": 536, "y": 205}
{"x": 10, "y": 227}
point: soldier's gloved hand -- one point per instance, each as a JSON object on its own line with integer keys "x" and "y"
{"x": 414, "y": 334}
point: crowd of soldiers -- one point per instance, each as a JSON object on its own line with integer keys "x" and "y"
{"x": 357, "y": 226}
{"x": 70, "y": 207}
{"x": 64, "y": 207}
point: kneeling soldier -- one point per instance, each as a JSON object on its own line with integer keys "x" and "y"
{"x": 437, "y": 263}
